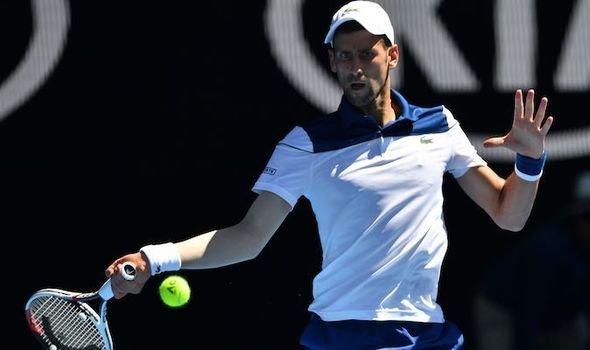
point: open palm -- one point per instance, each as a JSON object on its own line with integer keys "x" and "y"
{"x": 529, "y": 128}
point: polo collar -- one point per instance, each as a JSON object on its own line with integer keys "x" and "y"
{"x": 353, "y": 117}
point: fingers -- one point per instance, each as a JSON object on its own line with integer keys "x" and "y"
{"x": 547, "y": 126}
{"x": 539, "y": 120}
{"x": 114, "y": 268}
{"x": 540, "y": 116}
{"x": 529, "y": 106}
{"x": 518, "y": 105}
{"x": 121, "y": 287}
{"x": 111, "y": 270}
{"x": 530, "y": 126}
{"x": 527, "y": 112}
{"x": 117, "y": 281}
{"x": 119, "y": 284}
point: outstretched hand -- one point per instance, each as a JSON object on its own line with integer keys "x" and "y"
{"x": 529, "y": 128}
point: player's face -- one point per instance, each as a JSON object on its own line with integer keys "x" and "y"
{"x": 362, "y": 62}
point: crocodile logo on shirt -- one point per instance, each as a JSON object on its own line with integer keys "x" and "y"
{"x": 425, "y": 140}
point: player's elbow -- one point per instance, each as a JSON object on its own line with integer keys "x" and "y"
{"x": 511, "y": 224}
{"x": 509, "y": 220}
{"x": 253, "y": 254}
{"x": 513, "y": 228}
{"x": 252, "y": 242}
{"x": 251, "y": 251}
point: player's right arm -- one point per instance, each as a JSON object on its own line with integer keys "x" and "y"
{"x": 241, "y": 242}
{"x": 226, "y": 246}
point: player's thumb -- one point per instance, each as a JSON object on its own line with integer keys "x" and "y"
{"x": 493, "y": 142}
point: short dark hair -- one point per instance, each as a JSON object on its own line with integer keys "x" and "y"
{"x": 354, "y": 26}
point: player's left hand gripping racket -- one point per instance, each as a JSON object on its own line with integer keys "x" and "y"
{"x": 63, "y": 320}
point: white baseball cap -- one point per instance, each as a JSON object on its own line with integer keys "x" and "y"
{"x": 368, "y": 14}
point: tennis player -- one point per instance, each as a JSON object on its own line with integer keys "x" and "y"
{"x": 373, "y": 173}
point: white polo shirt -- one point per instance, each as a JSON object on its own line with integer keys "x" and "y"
{"x": 377, "y": 197}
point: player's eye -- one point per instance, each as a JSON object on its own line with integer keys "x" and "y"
{"x": 367, "y": 55}
{"x": 344, "y": 55}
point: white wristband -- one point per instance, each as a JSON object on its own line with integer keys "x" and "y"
{"x": 527, "y": 177}
{"x": 162, "y": 257}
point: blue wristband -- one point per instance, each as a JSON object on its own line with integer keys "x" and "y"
{"x": 529, "y": 169}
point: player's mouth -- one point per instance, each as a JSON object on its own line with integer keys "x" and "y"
{"x": 355, "y": 86}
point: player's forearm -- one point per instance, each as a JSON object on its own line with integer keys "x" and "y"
{"x": 230, "y": 245}
{"x": 217, "y": 248}
{"x": 207, "y": 250}
{"x": 515, "y": 203}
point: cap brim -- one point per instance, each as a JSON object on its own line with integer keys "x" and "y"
{"x": 330, "y": 36}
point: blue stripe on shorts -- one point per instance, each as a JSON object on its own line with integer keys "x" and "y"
{"x": 380, "y": 335}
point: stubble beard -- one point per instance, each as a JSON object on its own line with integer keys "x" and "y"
{"x": 359, "y": 99}
{"x": 364, "y": 97}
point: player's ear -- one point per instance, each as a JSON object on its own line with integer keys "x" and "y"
{"x": 393, "y": 53}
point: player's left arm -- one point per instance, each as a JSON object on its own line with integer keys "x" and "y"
{"x": 509, "y": 201}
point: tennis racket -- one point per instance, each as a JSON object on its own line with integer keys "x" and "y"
{"x": 63, "y": 320}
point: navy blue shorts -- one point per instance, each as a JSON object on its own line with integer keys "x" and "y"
{"x": 385, "y": 335}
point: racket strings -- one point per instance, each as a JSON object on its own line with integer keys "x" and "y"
{"x": 65, "y": 324}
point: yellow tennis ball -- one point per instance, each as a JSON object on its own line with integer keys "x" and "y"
{"x": 175, "y": 291}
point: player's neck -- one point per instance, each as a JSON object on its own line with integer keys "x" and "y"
{"x": 383, "y": 109}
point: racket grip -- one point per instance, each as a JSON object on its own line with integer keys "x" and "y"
{"x": 128, "y": 273}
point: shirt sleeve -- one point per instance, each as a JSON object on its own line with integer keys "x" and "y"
{"x": 288, "y": 171}
{"x": 464, "y": 156}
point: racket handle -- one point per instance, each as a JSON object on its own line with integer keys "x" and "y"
{"x": 128, "y": 273}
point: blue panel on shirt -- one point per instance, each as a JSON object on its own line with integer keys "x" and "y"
{"x": 348, "y": 126}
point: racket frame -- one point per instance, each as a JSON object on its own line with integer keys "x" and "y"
{"x": 99, "y": 319}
